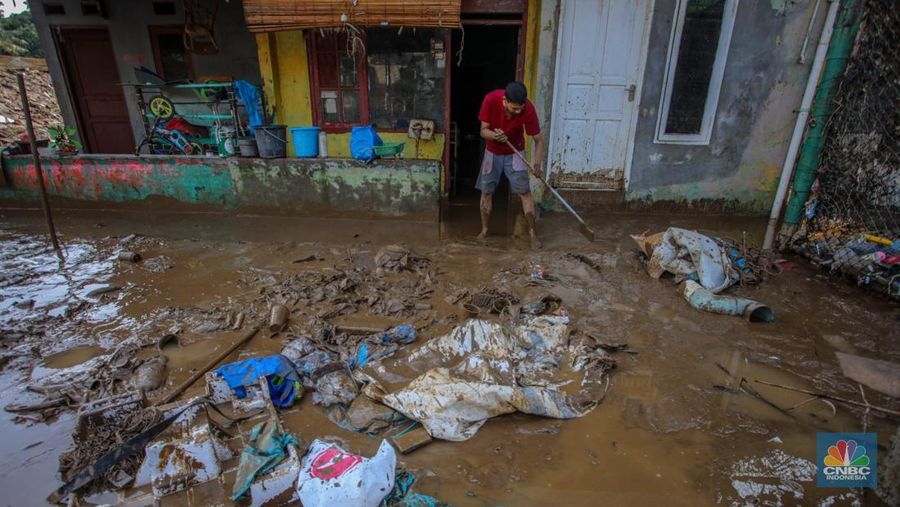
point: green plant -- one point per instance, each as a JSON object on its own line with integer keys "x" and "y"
{"x": 63, "y": 138}
{"x": 18, "y": 36}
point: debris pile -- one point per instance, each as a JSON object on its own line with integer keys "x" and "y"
{"x": 98, "y": 433}
{"x": 41, "y": 97}
{"x": 97, "y": 378}
{"x": 386, "y": 382}
{"x": 704, "y": 268}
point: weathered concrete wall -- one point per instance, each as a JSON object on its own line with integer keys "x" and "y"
{"x": 320, "y": 187}
{"x": 763, "y": 83}
{"x": 128, "y": 22}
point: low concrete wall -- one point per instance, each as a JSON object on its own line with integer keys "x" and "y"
{"x": 319, "y": 187}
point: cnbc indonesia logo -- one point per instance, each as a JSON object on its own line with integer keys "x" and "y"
{"x": 846, "y": 461}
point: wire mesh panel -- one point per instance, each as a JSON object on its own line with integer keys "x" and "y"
{"x": 851, "y": 219}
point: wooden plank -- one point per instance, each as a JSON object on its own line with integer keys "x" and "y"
{"x": 881, "y": 376}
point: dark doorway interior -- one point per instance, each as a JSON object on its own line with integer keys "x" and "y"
{"x": 488, "y": 63}
{"x": 92, "y": 78}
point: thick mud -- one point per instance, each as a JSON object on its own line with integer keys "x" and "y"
{"x": 674, "y": 427}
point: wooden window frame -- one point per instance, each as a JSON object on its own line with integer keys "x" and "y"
{"x": 715, "y": 80}
{"x": 362, "y": 86}
{"x": 157, "y": 58}
{"x": 363, "y": 73}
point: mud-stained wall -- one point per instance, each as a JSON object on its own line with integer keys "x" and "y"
{"x": 763, "y": 84}
{"x": 128, "y": 22}
{"x": 303, "y": 187}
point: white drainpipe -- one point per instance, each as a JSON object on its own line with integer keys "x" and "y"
{"x": 787, "y": 170}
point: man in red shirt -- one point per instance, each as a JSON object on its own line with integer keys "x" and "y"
{"x": 508, "y": 115}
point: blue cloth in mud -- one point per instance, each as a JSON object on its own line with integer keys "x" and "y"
{"x": 280, "y": 373}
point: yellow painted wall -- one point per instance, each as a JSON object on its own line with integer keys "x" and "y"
{"x": 339, "y": 145}
{"x": 285, "y": 69}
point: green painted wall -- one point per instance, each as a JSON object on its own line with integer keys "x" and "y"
{"x": 321, "y": 187}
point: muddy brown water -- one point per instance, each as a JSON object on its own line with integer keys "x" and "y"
{"x": 669, "y": 430}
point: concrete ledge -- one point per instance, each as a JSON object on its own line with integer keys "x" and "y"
{"x": 612, "y": 201}
{"x": 407, "y": 189}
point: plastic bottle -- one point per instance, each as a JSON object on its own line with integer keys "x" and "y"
{"x": 323, "y": 145}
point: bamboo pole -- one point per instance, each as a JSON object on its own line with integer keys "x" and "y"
{"x": 29, "y": 127}
{"x": 855, "y": 403}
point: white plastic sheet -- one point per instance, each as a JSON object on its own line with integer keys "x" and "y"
{"x": 487, "y": 370}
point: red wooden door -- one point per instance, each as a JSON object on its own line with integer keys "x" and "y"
{"x": 94, "y": 85}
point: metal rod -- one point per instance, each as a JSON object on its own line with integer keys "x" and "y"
{"x": 29, "y": 127}
{"x": 585, "y": 230}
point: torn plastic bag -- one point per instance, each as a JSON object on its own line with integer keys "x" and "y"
{"x": 683, "y": 253}
{"x": 266, "y": 449}
{"x": 309, "y": 364}
{"x": 279, "y": 372}
{"x": 332, "y": 476}
{"x": 335, "y": 388}
{"x": 378, "y": 346}
{"x": 703, "y": 299}
{"x": 298, "y": 348}
{"x": 404, "y": 334}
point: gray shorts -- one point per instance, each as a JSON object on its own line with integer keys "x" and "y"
{"x": 493, "y": 166}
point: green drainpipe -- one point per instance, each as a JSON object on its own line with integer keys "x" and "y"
{"x": 845, "y": 29}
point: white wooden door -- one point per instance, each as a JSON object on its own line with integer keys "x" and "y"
{"x": 599, "y": 58}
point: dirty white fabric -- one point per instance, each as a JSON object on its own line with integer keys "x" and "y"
{"x": 488, "y": 370}
{"x": 682, "y": 252}
{"x": 331, "y": 476}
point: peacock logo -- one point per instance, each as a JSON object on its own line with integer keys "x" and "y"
{"x": 846, "y": 453}
{"x": 846, "y": 460}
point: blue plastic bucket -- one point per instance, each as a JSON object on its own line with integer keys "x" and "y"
{"x": 306, "y": 141}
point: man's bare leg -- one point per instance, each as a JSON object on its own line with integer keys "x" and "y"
{"x": 528, "y": 208}
{"x": 485, "y": 205}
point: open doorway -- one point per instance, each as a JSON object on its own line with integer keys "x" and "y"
{"x": 489, "y": 61}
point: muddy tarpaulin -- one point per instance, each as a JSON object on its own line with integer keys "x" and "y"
{"x": 484, "y": 369}
{"x": 691, "y": 254}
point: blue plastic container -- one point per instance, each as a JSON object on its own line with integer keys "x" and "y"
{"x": 306, "y": 141}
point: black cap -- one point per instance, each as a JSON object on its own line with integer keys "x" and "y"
{"x": 516, "y": 92}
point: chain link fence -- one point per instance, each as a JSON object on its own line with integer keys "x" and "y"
{"x": 851, "y": 219}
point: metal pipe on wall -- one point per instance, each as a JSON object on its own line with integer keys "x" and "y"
{"x": 790, "y": 159}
